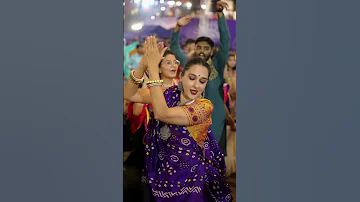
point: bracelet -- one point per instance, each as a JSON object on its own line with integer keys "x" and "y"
{"x": 135, "y": 80}
{"x": 154, "y": 82}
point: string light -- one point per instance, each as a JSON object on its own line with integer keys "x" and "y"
{"x": 171, "y": 3}
{"x": 137, "y": 26}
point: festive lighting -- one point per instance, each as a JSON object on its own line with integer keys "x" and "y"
{"x": 188, "y": 5}
{"x": 178, "y": 3}
{"x": 171, "y": 3}
{"x": 137, "y": 26}
{"x": 153, "y": 17}
{"x": 157, "y": 14}
{"x": 161, "y": 1}
{"x": 203, "y": 6}
{"x": 147, "y": 3}
{"x": 162, "y": 8}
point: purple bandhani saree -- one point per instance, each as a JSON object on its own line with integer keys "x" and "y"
{"x": 185, "y": 164}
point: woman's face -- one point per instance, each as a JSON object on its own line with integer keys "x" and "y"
{"x": 231, "y": 62}
{"x": 169, "y": 67}
{"x": 194, "y": 81}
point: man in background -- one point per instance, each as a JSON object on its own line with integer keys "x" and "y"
{"x": 136, "y": 57}
{"x": 126, "y": 56}
{"x": 189, "y": 47}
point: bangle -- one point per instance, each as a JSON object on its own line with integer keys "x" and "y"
{"x": 154, "y": 82}
{"x": 135, "y": 80}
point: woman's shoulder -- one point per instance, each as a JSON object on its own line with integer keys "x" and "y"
{"x": 204, "y": 103}
{"x": 203, "y": 100}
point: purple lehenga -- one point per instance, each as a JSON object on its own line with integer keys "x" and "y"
{"x": 185, "y": 164}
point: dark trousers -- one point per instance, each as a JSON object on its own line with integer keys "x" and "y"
{"x": 134, "y": 189}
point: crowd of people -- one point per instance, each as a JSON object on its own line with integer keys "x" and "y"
{"x": 179, "y": 117}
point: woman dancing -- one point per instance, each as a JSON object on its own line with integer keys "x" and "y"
{"x": 138, "y": 116}
{"x": 183, "y": 160}
{"x": 169, "y": 67}
{"x": 138, "y": 113}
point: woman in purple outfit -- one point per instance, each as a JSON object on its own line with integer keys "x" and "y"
{"x": 183, "y": 160}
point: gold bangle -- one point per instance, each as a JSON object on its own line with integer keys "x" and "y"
{"x": 154, "y": 81}
{"x": 154, "y": 84}
{"x": 135, "y": 80}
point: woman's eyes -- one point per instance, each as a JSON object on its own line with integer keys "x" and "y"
{"x": 176, "y": 62}
{"x": 201, "y": 81}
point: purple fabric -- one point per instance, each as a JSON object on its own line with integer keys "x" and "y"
{"x": 176, "y": 169}
{"x": 192, "y": 31}
{"x": 149, "y": 30}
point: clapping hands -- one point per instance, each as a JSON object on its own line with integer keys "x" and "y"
{"x": 153, "y": 53}
{"x": 160, "y": 47}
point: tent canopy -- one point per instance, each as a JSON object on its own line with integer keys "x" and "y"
{"x": 159, "y": 31}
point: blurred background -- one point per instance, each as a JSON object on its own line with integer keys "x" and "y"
{"x": 157, "y": 17}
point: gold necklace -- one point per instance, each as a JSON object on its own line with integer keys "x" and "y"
{"x": 186, "y": 103}
{"x": 166, "y": 87}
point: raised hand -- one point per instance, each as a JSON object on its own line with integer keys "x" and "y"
{"x": 184, "y": 21}
{"x": 143, "y": 61}
{"x": 160, "y": 46}
{"x": 153, "y": 53}
{"x": 220, "y": 5}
